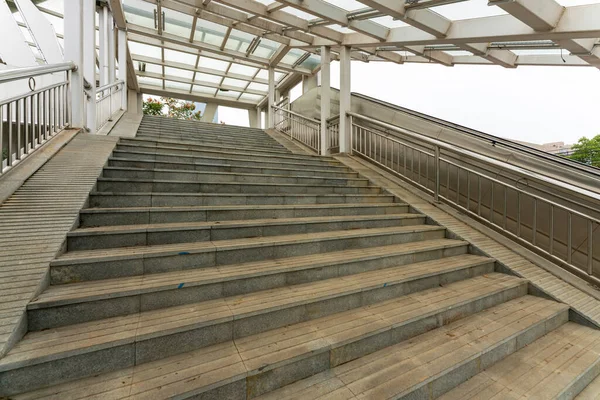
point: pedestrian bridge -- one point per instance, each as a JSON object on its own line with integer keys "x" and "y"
{"x": 351, "y": 249}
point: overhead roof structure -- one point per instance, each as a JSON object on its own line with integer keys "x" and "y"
{"x": 220, "y": 50}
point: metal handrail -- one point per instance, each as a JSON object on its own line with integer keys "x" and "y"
{"x": 407, "y": 158}
{"x": 9, "y": 75}
{"x": 479, "y": 157}
{"x": 300, "y": 128}
{"x": 297, "y": 115}
{"x": 108, "y": 86}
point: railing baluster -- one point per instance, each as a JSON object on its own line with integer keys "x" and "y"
{"x": 18, "y": 113}
{"x": 590, "y": 255}
{"x": 504, "y": 214}
{"x": 10, "y": 134}
{"x": 492, "y": 204}
{"x": 551, "y": 229}
{"x": 519, "y": 214}
{"x": 534, "y": 223}
{"x": 479, "y": 195}
{"x": 569, "y": 239}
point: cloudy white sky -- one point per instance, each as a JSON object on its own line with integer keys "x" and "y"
{"x": 535, "y": 104}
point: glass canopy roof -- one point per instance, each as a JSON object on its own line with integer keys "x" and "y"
{"x": 222, "y": 48}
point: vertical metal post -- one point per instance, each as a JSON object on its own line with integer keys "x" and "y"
{"x": 271, "y": 99}
{"x": 73, "y": 22}
{"x": 122, "y": 41}
{"x": 519, "y": 214}
{"x": 551, "y": 229}
{"x": 325, "y": 95}
{"x": 534, "y": 223}
{"x": 436, "y": 192}
{"x": 345, "y": 82}
{"x": 89, "y": 63}
{"x": 590, "y": 259}
{"x": 569, "y": 239}
{"x": 10, "y": 134}
{"x": 18, "y": 122}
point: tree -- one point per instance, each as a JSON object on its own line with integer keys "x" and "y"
{"x": 152, "y": 107}
{"x": 174, "y": 108}
{"x": 587, "y": 151}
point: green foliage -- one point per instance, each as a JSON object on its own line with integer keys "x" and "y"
{"x": 4, "y": 155}
{"x": 152, "y": 107}
{"x": 587, "y": 151}
{"x": 174, "y": 108}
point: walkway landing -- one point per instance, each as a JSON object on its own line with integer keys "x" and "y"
{"x": 34, "y": 222}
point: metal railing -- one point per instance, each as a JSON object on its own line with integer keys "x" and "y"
{"x": 333, "y": 133}
{"x": 559, "y": 232}
{"x": 109, "y": 99}
{"x": 31, "y": 119}
{"x": 298, "y": 127}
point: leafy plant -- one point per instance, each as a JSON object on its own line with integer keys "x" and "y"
{"x": 174, "y": 108}
{"x": 587, "y": 151}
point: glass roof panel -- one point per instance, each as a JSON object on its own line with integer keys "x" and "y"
{"x": 139, "y": 12}
{"x": 177, "y": 23}
{"x": 239, "y": 41}
{"x": 468, "y": 9}
{"x": 54, "y": 5}
{"x": 242, "y": 70}
{"x": 182, "y": 73}
{"x": 279, "y": 76}
{"x": 298, "y": 13}
{"x": 203, "y": 90}
{"x": 153, "y": 68}
{"x": 258, "y": 86}
{"x": 292, "y": 55}
{"x": 389, "y": 22}
{"x": 144, "y": 49}
{"x": 200, "y": 77}
{"x": 180, "y": 57}
{"x": 348, "y": 5}
{"x": 209, "y": 32}
{"x": 228, "y": 94}
{"x": 311, "y": 62}
{"x": 235, "y": 83}
{"x": 251, "y": 97}
{"x": 266, "y": 48}
{"x": 149, "y": 81}
{"x": 340, "y": 28}
{"x": 211, "y": 63}
{"x": 177, "y": 85}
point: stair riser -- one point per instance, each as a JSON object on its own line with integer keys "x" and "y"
{"x": 260, "y": 162}
{"x": 150, "y": 165}
{"x": 206, "y": 146}
{"x": 158, "y": 217}
{"x": 230, "y": 133}
{"x": 238, "y": 155}
{"x": 213, "y": 141}
{"x": 211, "y": 257}
{"x": 242, "y": 188}
{"x": 216, "y": 232}
{"x": 128, "y": 354}
{"x": 166, "y": 200}
{"x": 221, "y": 178}
{"x": 61, "y": 315}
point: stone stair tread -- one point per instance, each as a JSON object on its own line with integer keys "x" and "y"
{"x": 198, "y": 182}
{"x": 222, "y": 165}
{"x": 232, "y": 224}
{"x": 237, "y": 152}
{"x": 42, "y": 346}
{"x": 236, "y": 207}
{"x": 109, "y": 288}
{"x": 222, "y": 158}
{"x": 397, "y": 370}
{"x": 224, "y": 174}
{"x": 204, "y": 369}
{"x": 543, "y": 370}
{"x": 208, "y": 142}
{"x": 591, "y": 392}
{"x": 83, "y": 256}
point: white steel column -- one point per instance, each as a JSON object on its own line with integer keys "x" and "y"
{"x": 271, "y": 102}
{"x": 110, "y": 33}
{"x": 252, "y": 119}
{"x": 74, "y": 52}
{"x": 122, "y": 37}
{"x": 258, "y": 117}
{"x": 209, "y": 112}
{"x": 103, "y": 42}
{"x": 89, "y": 62}
{"x": 309, "y": 82}
{"x": 345, "y": 128}
{"x": 325, "y": 95}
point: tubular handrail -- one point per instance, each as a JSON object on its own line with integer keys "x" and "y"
{"x": 108, "y": 86}
{"x": 9, "y": 75}
{"x": 479, "y": 157}
{"x": 297, "y": 115}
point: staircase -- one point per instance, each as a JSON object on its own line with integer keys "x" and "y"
{"x": 213, "y": 263}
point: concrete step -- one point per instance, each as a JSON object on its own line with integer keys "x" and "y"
{"x": 432, "y": 363}
{"x": 224, "y": 154}
{"x": 251, "y": 147}
{"x": 557, "y": 366}
{"x": 195, "y": 129}
{"x": 243, "y": 368}
{"x": 211, "y": 140}
{"x": 129, "y": 185}
{"x": 87, "y": 301}
{"x": 234, "y": 160}
{"x": 185, "y": 232}
{"x": 204, "y": 176}
{"x": 95, "y": 217}
{"x": 228, "y": 168}
{"x": 76, "y": 351}
{"x": 149, "y": 199}
{"x": 591, "y": 392}
{"x": 87, "y": 265}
